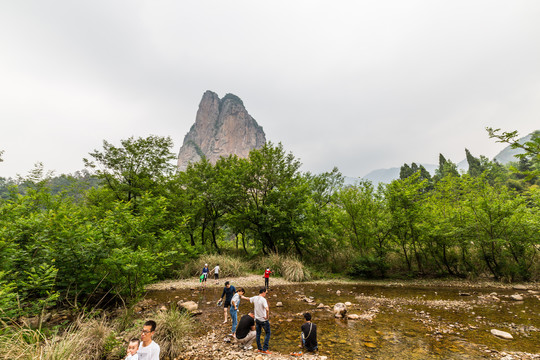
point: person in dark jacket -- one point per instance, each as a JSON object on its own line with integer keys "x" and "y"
{"x": 226, "y": 297}
{"x": 308, "y": 336}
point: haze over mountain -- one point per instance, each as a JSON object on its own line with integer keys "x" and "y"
{"x": 387, "y": 175}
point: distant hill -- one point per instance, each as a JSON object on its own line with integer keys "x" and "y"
{"x": 508, "y": 154}
{"x": 388, "y": 175}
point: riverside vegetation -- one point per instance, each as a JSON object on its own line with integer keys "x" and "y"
{"x": 92, "y": 241}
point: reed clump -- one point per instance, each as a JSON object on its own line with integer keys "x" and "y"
{"x": 290, "y": 268}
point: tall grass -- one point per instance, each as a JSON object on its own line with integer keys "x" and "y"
{"x": 94, "y": 339}
{"x": 173, "y": 325}
{"x": 228, "y": 266}
{"x": 289, "y": 268}
{"x": 294, "y": 270}
{"x": 81, "y": 340}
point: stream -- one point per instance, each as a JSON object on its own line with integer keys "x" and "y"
{"x": 396, "y": 322}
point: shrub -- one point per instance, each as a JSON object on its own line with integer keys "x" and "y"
{"x": 368, "y": 266}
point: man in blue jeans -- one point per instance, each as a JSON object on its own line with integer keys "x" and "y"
{"x": 262, "y": 313}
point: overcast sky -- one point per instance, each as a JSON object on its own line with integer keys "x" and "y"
{"x": 360, "y": 85}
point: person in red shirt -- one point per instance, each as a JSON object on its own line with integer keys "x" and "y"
{"x": 267, "y": 273}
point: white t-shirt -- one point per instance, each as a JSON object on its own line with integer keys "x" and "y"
{"x": 259, "y": 306}
{"x": 216, "y": 269}
{"x": 132, "y": 357}
{"x": 235, "y": 299}
{"x": 150, "y": 352}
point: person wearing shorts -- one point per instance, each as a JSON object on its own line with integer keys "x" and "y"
{"x": 226, "y": 297}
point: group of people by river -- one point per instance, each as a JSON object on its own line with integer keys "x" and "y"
{"x": 252, "y": 324}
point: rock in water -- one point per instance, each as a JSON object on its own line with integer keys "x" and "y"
{"x": 340, "y": 310}
{"x": 502, "y": 334}
{"x": 222, "y": 127}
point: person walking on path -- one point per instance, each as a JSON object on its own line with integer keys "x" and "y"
{"x": 226, "y": 297}
{"x": 205, "y": 274}
{"x": 245, "y": 333}
{"x": 235, "y": 303}
{"x": 262, "y": 315}
{"x": 267, "y": 273}
{"x": 216, "y": 273}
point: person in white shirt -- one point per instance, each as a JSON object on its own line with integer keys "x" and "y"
{"x": 262, "y": 314}
{"x": 235, "y": 304}
{"x": 216, "y": 273}
{"x": 148, "y": 350}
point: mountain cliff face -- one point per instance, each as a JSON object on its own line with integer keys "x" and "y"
{"x": 222, "y": 127}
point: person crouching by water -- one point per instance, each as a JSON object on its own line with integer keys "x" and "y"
{"x": 235, "y": 303}
{"x": 228, "y": 292}
{"x": 308, "y": 336}
{"x": 245, "y": 332}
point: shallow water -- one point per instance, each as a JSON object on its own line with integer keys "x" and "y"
{"x": 407, "y": 322}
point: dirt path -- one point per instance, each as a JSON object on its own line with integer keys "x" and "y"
{"x": 257, "y": 280}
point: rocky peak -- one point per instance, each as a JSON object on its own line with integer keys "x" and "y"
{"x": 222, "y": 127}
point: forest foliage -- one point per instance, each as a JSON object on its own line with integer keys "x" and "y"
{"x": 130, "y": 220}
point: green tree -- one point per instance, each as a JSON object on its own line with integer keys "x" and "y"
{"x": 446, "y": 168}
{"x": 531, "y": 148}
{"x": 134, "y": 167}
{"x": 475, "y": 166}
{"x": 272, "y": 198}
{"x": 405, "y": 206}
